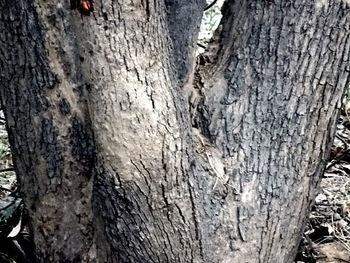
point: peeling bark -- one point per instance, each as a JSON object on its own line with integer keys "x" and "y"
{"x": 127, "y": 153}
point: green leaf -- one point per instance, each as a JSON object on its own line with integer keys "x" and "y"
{"x": 8, "y": 206}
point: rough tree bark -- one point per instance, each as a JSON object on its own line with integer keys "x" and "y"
{"x": 128, "y": 149}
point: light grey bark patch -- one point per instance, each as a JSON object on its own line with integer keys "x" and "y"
{"x": 65, "y": 49}
{"x": 243, "y": 223}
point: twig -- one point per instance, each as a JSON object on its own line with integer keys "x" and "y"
{"x": 201, "y": 45}
{"x": 322, "y": 204}
{"x": 346, "y": 113}
{"x": 5, "y": 189}
{"x": 343, "y": 260}
{"x": 345, "y": 246}
{"x": 323, "y": 239}
{"x": 343, "y": 141}
{"x": 210, "y": 5}
{"x": 11, "y": 169}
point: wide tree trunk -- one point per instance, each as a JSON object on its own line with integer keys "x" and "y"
{"x": 128, "y": 149}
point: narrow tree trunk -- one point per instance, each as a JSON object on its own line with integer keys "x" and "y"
{"x": 127, "y": 152}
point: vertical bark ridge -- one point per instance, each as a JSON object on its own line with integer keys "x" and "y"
{"x": 265, "y": 116}
{"x": 139, "y": 123}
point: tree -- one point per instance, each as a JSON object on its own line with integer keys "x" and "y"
{"x": 128, "y": 149}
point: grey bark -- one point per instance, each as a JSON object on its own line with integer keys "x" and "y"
{"x": 269, "y": 93}
{"x": 129, "y": 150}
{"x": 184, "y": 19}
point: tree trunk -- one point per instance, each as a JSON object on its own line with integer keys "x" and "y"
{"x": 127, "y": 149}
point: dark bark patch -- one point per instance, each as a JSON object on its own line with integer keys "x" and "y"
{"x": 51, "y": 150}
{"x": 183, "y": 21}
{"x": 202, "y": 120}
{"x": 81, "y": 91}
{"x": 52, "y": 80}
{"x": 82, "y": 145}
{"x": 64, "y": 106}
{"x": 124, "y": 227}
{"x": 24, "y": 57}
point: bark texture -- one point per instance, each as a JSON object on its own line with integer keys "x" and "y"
{"x": 269, "y": 91}
{"x": 127, "y": 149}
